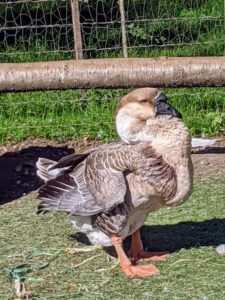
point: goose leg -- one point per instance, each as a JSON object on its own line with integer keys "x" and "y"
{"x": 137, "y": 252}
{"x": 126, "y": 265}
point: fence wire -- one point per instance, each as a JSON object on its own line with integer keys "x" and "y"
{"x": 35, "y": 30}
{"x": 39, "y": 30}
{"x": 74, "y": 115}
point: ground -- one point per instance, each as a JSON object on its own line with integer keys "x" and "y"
{"x": 43, "y": 243}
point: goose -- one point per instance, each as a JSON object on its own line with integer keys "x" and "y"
{"x": 109, "y": 191}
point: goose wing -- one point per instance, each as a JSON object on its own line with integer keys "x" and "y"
{"x": 95, "y": 185}
{"x": 48, "y": 169}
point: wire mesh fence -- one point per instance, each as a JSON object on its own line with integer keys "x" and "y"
{"x": 41, "y": 30}
{"x": 76, "y": 115}
{"x": 35, "y": 30}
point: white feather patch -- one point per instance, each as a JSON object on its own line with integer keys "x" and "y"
{"x": 95, "y": 236}
{"x": 198, "y": 142}
{"x": 43, "y": 165}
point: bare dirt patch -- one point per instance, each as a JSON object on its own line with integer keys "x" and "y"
{"x": 18, "y": 163}
{"x": 209, "y": 164}
{"x": 210, "y": 161}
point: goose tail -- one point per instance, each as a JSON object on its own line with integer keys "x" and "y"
{"x": 46, "y": 170}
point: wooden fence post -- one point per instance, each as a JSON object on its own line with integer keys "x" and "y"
{"x": 76, "y": 29}
{"x": 123, "y": 28}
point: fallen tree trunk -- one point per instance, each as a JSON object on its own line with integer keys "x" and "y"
{"x": 113, "y": 73}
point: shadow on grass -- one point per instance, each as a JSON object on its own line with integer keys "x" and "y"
{"x": 184, "y": 235}
{"x": 171, "y": 238}
{"x": 18, "y": 170}
{"x": 210, "y": 150}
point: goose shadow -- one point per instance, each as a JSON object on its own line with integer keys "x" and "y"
{"x": 209, "y": 150}
{"x": 174, "y": 237}
{"x": 18, "y": 174}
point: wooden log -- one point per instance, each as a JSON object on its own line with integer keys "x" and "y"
{"x": 113, "y": 73}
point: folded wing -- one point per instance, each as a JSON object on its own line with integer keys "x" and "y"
{"x": 96, "y": 184}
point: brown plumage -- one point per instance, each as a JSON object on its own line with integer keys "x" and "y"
{"x": 110, "y": 190}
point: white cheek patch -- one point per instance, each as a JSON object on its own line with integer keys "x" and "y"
{"x": 124, "y": 128}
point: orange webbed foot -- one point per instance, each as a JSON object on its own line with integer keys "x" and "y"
{"x": 150, "y": 256}
{"x": 137, "y": 252}
{"x": 126, "y": 265}
{"x": 140, "y": 271}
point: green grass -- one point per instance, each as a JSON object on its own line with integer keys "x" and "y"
{"x": 193, "y": 271}
{"x": 74, "y": 114}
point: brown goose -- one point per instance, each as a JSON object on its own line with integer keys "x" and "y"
{"x": 110, "y": 190}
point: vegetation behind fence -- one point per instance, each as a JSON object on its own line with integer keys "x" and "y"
{"x": 43, "y": 29}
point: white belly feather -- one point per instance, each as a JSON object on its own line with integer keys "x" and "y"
{"x": 97, "y": 237}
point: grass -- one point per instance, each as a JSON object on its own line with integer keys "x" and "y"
{"x": 193, "y": 271}
{"x": 71, "y": 114}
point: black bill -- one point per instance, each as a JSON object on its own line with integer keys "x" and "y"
{"x": 164, "y": 108}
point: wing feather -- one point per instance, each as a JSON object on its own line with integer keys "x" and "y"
{"x": 95, "y": 185}
{"x": 98, "y": 183}
{"x": 105, "y": 177}
{"x": 66, "y": 194}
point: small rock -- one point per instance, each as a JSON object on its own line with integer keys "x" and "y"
{"x": 26, "y": 171}
{"x": 18, "y": 168}
{"x": 26, "y": 185}
{"x": 221, "y": 249}
{"x": 30, "y": 163}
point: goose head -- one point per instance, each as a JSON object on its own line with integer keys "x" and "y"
{"x": 138, "y": 109}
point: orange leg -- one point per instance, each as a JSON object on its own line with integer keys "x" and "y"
{"x": 136, "y": 251}
{"x": 126, "y": 265}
